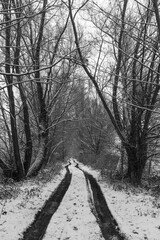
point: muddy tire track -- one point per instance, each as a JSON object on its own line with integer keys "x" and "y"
{"x": 100, "y": 209}
{"x": 38, "y": 227}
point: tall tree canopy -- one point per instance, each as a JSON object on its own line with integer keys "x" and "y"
{"x": 48, "y": 63}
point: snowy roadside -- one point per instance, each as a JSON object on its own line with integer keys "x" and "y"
{"x": 17, "y": 213}
{"x": 136, "y": 212}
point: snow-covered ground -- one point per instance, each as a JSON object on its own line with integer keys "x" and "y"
{"x": 73, "y": 219}
{"x": 137, "y": 212}
{"x": 17, "y": 213}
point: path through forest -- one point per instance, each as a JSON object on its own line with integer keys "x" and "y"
{"x": 73, "y": 219}
{"x": 82, "y": 213}
{"x": 71, "y": 206}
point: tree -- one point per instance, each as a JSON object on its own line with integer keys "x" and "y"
{"x": 34, "y": 80}
{"x": 95, "y": 130}
{"x": 9, "y": 82}
{"x": 134, "y": 76}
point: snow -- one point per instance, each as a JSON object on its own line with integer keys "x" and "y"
{"x": 73, "y": 219}
{"x": 137, "y": 213}
{"x": 136, "y": 210}
{"x": 16, "y": 214}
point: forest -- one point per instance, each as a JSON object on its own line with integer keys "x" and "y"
{"x": 79, "y": 79}
{"x": 80, "y": 119}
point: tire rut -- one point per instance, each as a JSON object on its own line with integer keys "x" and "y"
{"x": 107, "y": 223}
{"x": 38, "y": 227}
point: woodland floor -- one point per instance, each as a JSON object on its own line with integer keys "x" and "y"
{"x": 136, "y": 210}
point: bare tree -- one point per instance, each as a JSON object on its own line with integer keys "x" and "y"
{"x": 34, "y": 79}
{"x": 134, "y": 76}
{"x": 9, "y": 81}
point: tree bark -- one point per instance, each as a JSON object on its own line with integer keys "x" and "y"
{"x": 137, "y": 158}
{"x": 37, "y": 164}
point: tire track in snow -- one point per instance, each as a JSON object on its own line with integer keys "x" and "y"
{"x": 38, "y": 227}
{"x": 100, "y": 210}
{"x": 74, "y": 219}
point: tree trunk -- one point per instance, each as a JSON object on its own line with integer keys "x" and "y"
{"x": 122, "y": 163}
{"x": 43, "y": 115}
{"x": 7, "y": 171}
{"x": 9, "y": 81}
{"x": 28, "y": 144}
{"x": 36, "y": 166}
{"x": 137, "y": 158}
{"x": 27, "y": 130}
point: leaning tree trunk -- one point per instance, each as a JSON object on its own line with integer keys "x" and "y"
{"x": 43, "y": 134}
{"x": 37, "y": 164}
{"x": 43, "y": 115}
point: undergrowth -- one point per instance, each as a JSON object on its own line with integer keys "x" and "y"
{"x": 10, "y": 189}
